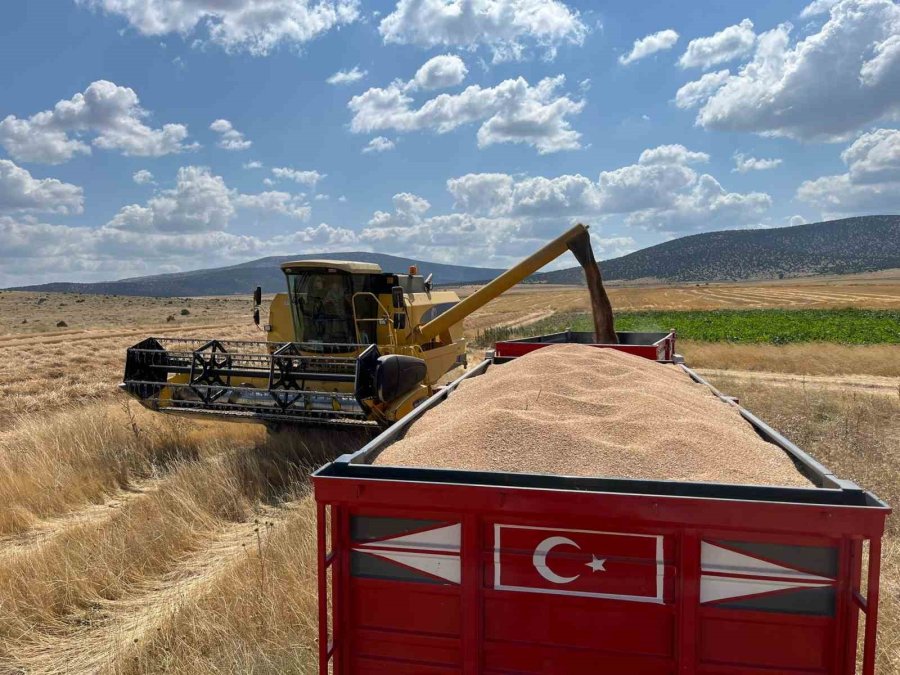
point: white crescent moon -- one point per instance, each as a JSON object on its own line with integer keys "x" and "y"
{"x": 539, "y": 559}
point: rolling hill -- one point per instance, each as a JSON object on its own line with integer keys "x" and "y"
{"x": 265, "y": 272}
{"x": 845, "y": 246}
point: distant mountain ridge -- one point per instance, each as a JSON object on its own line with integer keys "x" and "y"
{"x": 846, "y": 246}
{"x": 265, "y": 272}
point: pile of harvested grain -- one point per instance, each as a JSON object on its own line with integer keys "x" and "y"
{"x": 581, "y": 411}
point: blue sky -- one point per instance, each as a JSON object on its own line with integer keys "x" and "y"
{"x": 164, "y": 135}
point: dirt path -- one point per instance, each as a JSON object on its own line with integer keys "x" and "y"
{"x": 868, "y": 383}
{"x": 534, "y": 317}
{"x": 102, "y": 644}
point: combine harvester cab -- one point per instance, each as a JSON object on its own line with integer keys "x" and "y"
{"x": 437, "y": 571}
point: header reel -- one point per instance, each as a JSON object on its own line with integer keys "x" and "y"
{"x": 296, "y": 382}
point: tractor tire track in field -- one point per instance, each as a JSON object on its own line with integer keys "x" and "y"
{"x": 68, "y": 337}
{"x": 868, "y": 383}
{"x": 103, "y": 644}
{"x": 44, "y": 532}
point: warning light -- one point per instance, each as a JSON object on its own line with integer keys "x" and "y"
{"x": 413, "y": 270}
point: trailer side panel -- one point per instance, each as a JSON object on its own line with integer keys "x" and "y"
{"x": 443, "y": 578}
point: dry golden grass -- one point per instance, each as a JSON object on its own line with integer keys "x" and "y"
{"x": 52, "y": 463}
{"x": 27, "y": 313}
{"x": 792, "y": 294}
{"x": 275, "y": 628}
{"x": 108, "y": 579}
{"x": 48, "y": 371}
{"x": 799, "y": 358}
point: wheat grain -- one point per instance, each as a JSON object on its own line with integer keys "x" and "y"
{"x": 576, "y": 410}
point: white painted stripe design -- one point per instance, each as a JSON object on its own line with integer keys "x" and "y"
{"x": 434, "y": 552}
{"x": 442, "y": 566}
{"x": 713, "y": 588}
{"x": 724, "y": 561}
{"x": 441, "y": 539}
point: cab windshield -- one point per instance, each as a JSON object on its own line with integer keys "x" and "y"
{"x": 321, "y": 304}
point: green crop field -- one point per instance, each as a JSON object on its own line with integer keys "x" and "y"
{"x": 773, "y": 326}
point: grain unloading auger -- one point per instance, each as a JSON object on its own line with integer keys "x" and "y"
{"x": 348, "y": 343}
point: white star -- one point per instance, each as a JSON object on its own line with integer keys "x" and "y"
{"x": 596, "y": 564}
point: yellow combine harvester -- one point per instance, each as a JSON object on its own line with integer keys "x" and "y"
{"x": 348, "y": 343}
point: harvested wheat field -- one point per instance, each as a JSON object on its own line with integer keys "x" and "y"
{"x": 53, "y": 369}
{"x": 576, "y": 410}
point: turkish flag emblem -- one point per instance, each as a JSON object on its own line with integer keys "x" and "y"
{"x": 588, "y": 563}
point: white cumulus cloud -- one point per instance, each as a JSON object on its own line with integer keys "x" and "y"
{"x": 487, "y": 193}
{"x": 309, "y": 178}
{"x": 871, "y": 183}
{"x": 108, "y": 111}
{"x": 499, "y": 218}
{"x": 817, "y": 8}
{"x": 726, "y": 45}
{"x": 507, "y": 27}
{"x": 822, "y": 87}
{"x": 440, "y": 72}
{"x": 142, "y": 177}
{"x": 447, "y": 237}
{"x": 253, "y": 26}
{"x": 347, "y": 76}
{"x": 697, "y": 92}
{"x": 22, "y": 192}
{"x": 229, "y": 137}
{"x": 36, "y": 252}
{"x": 744, "y": 163}
{"x": 379, "y": 144}
{"x": 662, "y": 189}
{"x": 202, "y": 202}
{"x": 199, "y": 202}
{"x": 645, "y": 46}
{"x": 273, "y": 201}
{"x": 672, "y": 154}
{"x": 511, "y": 112}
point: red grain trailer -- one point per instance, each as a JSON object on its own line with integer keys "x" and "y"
{"x": 434, "y": 571}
